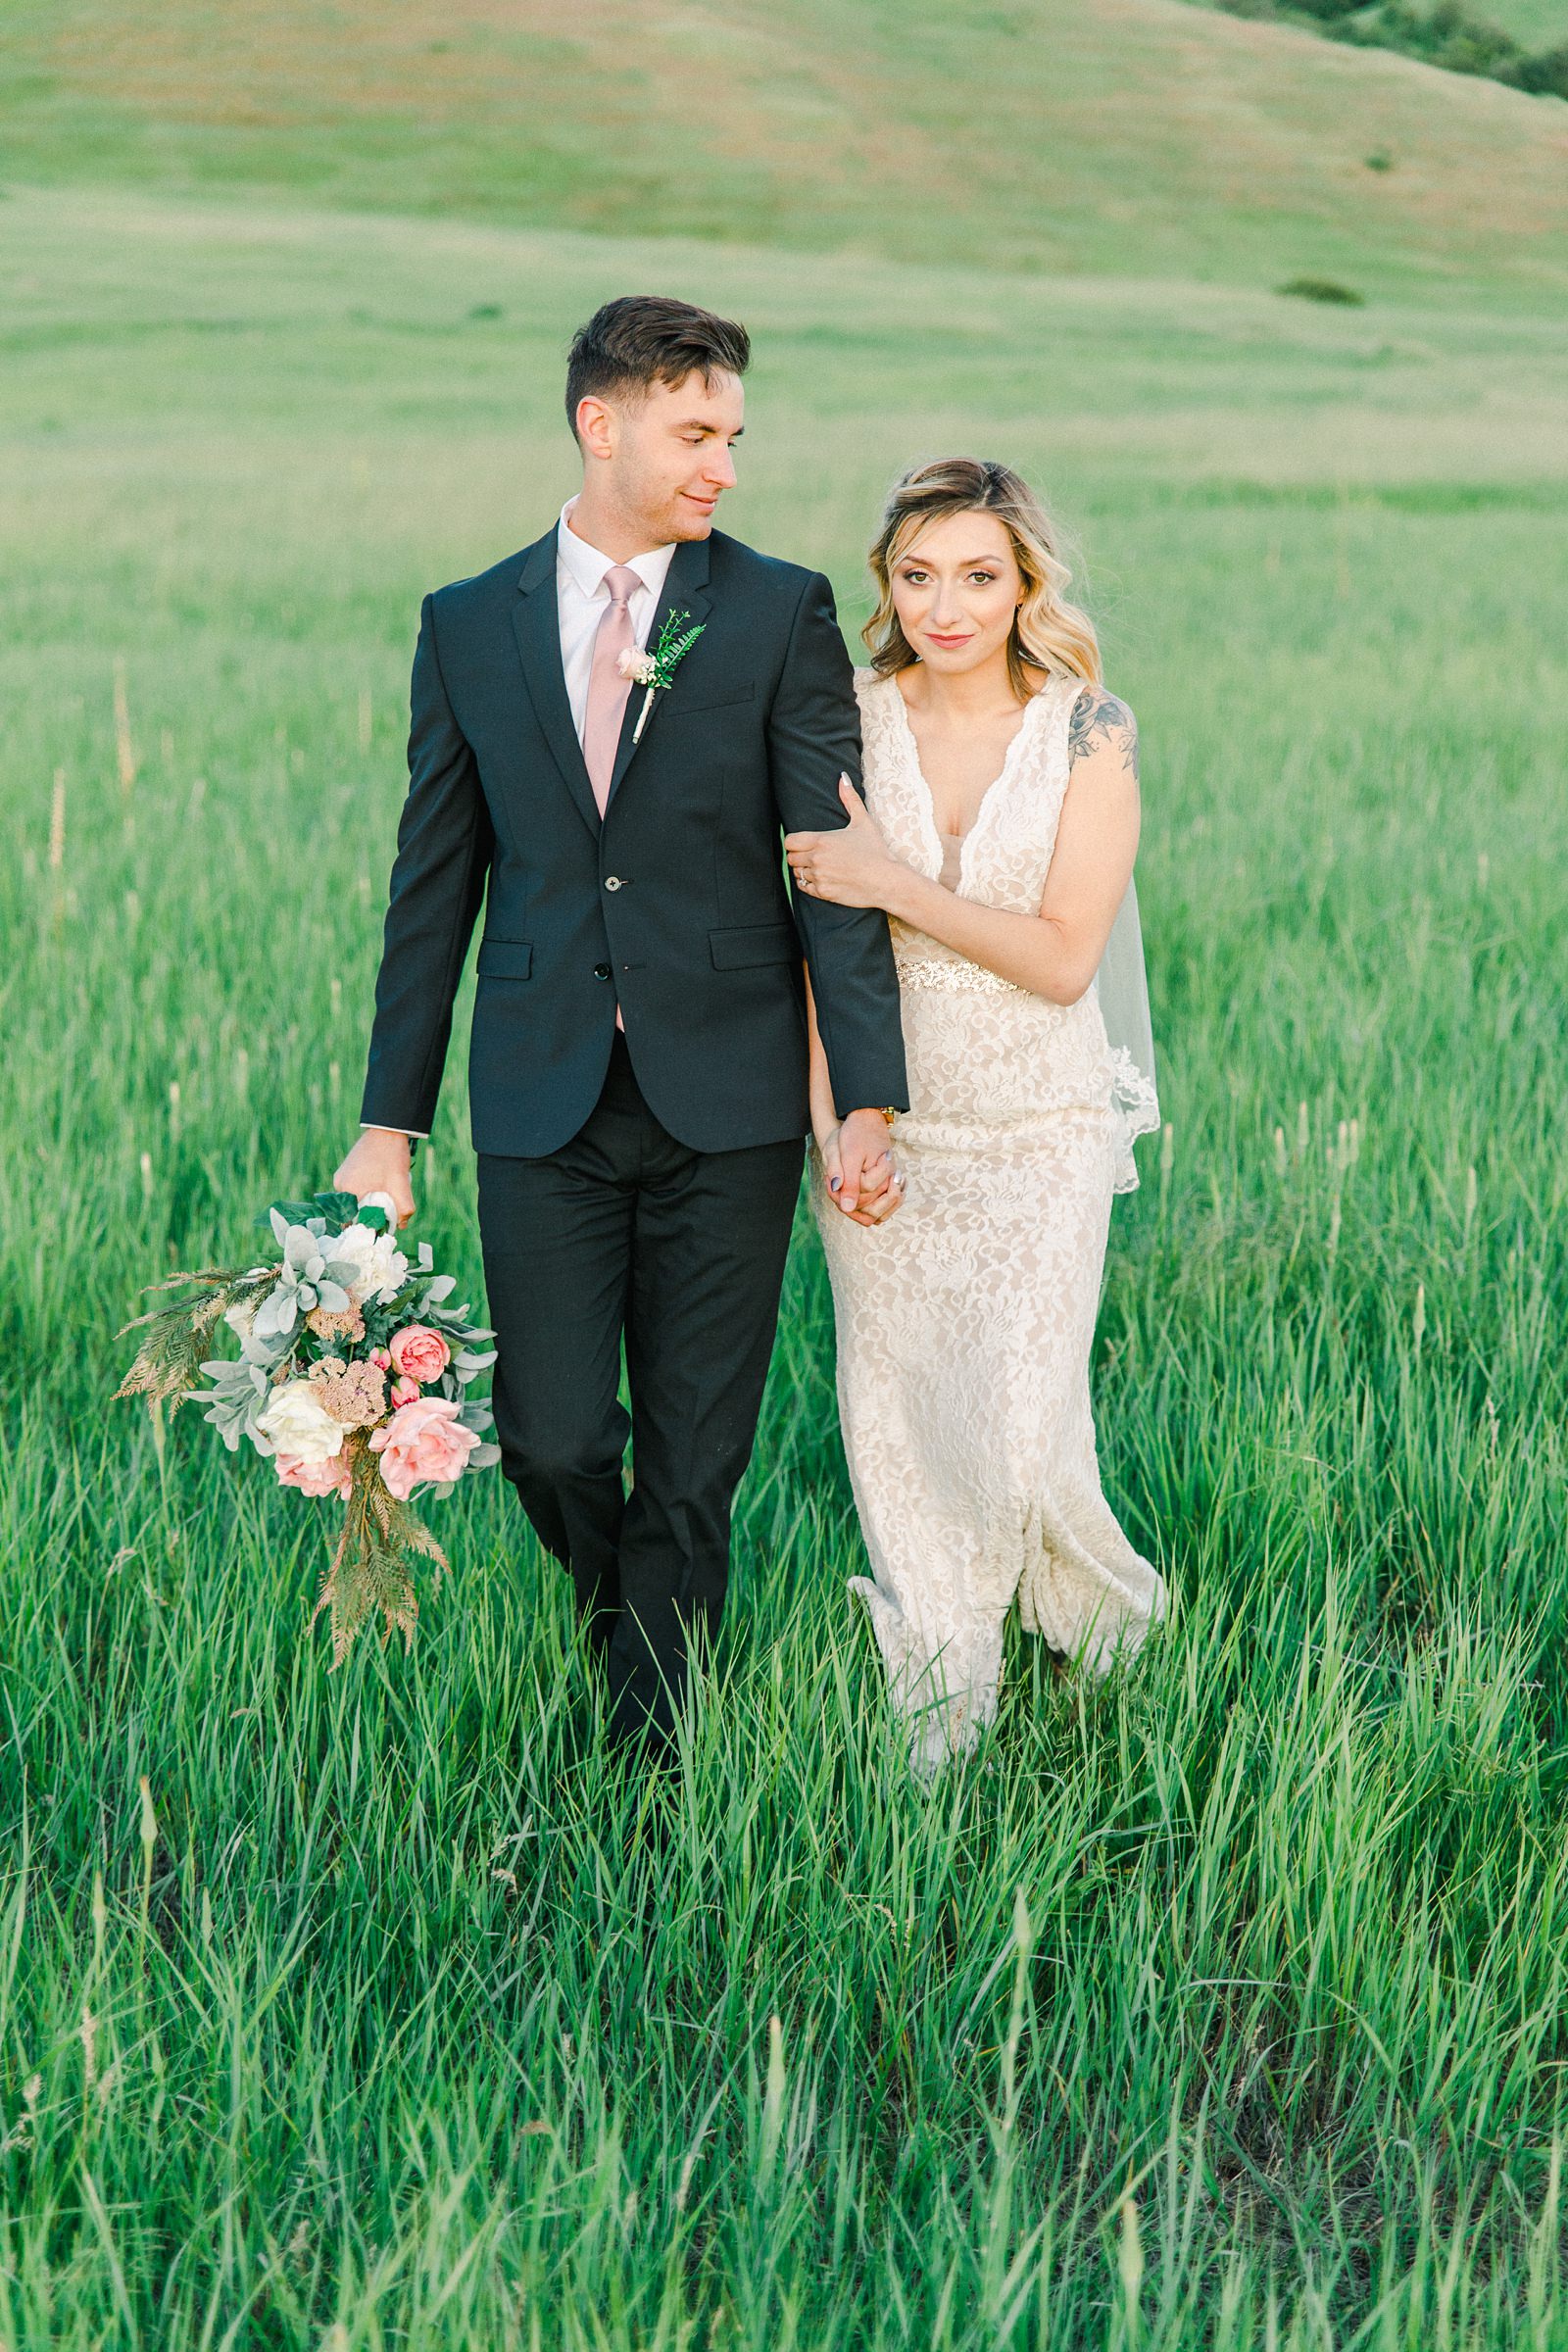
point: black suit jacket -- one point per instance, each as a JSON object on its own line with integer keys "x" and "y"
{"x": 677, "y": 902}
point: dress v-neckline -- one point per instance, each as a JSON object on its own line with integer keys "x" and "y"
{"x": 927, "y": 806}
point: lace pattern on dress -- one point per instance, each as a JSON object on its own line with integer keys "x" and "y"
{"x": 935, "y": 971}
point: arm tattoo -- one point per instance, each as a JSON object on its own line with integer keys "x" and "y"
{"x": 1097, "y": 718}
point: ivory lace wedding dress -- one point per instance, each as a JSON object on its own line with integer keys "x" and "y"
{"x": 964, "y": 1322}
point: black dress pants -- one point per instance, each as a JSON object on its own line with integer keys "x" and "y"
{"x": 624, "y": 1232}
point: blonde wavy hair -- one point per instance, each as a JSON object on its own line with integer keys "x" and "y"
{"x": 1048, "y": 632}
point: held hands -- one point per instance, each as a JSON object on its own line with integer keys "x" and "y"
{"x": 857, "y": 1164}
{"x": 850, "y": 867}
{"x": 379, "y": 1163}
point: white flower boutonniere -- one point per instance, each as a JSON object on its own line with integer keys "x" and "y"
{"x": 658, "y": 669}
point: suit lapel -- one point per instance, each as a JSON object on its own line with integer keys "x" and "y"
{"x": 537, "y": 624}
{"x": 685, "y": 591}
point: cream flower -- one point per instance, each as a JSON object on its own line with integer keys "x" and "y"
{"x": 379, "y": 1267}
{"x": 297, "y": 1422}
{"x": 641, "y": 668}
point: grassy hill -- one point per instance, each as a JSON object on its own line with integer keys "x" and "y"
{"x": 1076, "y": 135}
{"x": 1538, "y": 24}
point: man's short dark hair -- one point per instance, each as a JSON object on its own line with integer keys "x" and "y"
{"x": 644, "y": 339}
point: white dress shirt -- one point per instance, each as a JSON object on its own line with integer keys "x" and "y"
{"x": 581, "y": 602}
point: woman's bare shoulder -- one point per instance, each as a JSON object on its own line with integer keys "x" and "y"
{"x": 1102, "y": 719}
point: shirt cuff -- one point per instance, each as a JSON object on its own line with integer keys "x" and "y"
{"x": 423, "y": 1133}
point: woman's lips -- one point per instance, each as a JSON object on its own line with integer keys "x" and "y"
{"x": 934, "y": 638}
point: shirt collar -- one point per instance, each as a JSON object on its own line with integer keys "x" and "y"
{"x": 587, "y": 565}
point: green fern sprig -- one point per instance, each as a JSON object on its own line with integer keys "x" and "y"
{"x": 672, "y": 647}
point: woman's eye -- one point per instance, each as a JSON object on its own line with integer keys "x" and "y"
{"x": 983, "y": 579}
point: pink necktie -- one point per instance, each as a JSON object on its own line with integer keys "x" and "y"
{"x": 606, "y": 688}
{"x": 607, "y": 691}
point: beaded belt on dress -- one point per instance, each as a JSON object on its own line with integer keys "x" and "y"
{"x": 939, "y": 971}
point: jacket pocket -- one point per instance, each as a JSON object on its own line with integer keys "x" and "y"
{"x": 504, "y": 960}
{"x": 753, "y": 942}
{"x": 710, "y": 698}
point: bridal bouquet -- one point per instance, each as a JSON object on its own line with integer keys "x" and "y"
{"x": 350, "y": 1375}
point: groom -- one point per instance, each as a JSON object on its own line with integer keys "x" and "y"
{"x": 638, "y": 1061}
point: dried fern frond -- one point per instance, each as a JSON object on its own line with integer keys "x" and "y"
{"x": 369, "y": 1571}
{"x": 418, "y": 1536}
{"x": 168, "y": 1360}
{"x": 365, "y": 1577}
{"x": 216, "y": 1275}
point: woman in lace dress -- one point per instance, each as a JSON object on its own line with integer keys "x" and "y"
{"x": 997, "y": 831}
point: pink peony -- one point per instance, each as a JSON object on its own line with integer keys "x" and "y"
{"x": 404, "y": 1392}
{"x": 331, "y": 1477}
{"x": 381, "y": 1356}
{"x": 419, "y": 1353}
{"x": 422, "y": 1441}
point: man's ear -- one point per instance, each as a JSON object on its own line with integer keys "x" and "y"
{"x": 595, "y": 426}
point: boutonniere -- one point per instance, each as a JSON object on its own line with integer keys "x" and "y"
{"x": 658, "y": 669}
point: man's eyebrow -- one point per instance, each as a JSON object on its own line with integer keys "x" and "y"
{"x": 700, "y": 424}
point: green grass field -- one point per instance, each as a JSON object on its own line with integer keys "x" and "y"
{"x": 1224, "y": 2005}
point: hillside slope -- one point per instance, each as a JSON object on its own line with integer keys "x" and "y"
{"x": 1538, "y": 24}
{"x": 1096, "y": 136}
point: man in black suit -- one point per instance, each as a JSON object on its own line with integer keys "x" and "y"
{"x": 638, "y": 1061}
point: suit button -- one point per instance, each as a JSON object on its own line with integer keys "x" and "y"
{"x": 601, "y": 971}
{"x": 612, "y": 881}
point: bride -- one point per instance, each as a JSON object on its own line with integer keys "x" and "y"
{"x": 999, "y": 831}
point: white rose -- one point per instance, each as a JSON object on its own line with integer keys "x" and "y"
{"x": 379, "y": 1267}
{"x": 241, "y": 1317}
{"x": 297, "y": 1422}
